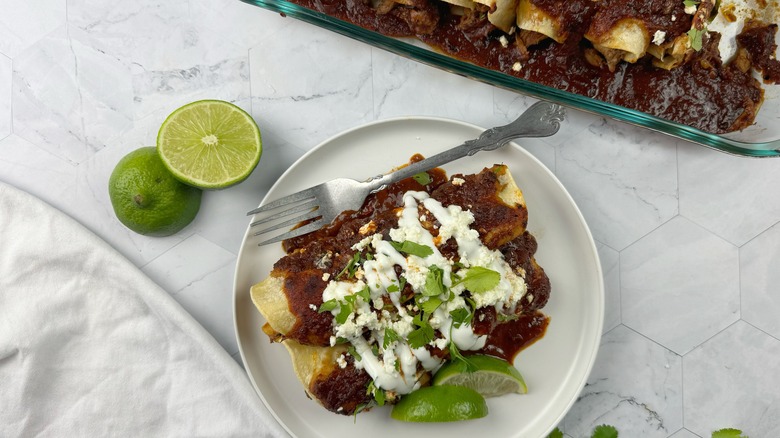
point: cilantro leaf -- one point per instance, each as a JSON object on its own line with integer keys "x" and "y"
{"x": 434, "y": 284}
{"x": 393, "y": 288}
{"x": 365, "y": 294}
{"x": 455, "y": 355}
{"x": 390, "y": 337}
{"x": 423, "y": 178}
{"x": 423, "y": 334}
{"x": 379, "y": 396}
{"x": 728, "y": 433}
{"x": 328, "y": 306}
{"x": 431, "y": 304}
{"x": 689, "y": 3}
{"x": 604, "y": 431}
{"x": 377, "y": 393}
{"x": 344, "y": 311}
{"x": 353, "y": 352}
{"x": 695, "y": 38}
{"x": 461, "y": 316}
{"x": 412, "y": 248}
{"x": 479, "y": 279}
{"x": 351, "y": 267}
{"x": 555, "y": 434}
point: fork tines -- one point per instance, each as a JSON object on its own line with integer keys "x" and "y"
{"x": 276, "y": 215}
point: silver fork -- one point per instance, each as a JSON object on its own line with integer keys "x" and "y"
{"x": 322, "y": 203}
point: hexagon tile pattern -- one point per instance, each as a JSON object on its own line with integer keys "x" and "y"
{"x": 726, "y": 382}
{"x": 760, "y": 268}
{"x": 680, "y": 272}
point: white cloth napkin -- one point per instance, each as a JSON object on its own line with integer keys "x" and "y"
{"x": 90, "y": 346}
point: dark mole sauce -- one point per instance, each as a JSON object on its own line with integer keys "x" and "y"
{"x": 703, "y": 93}
{"x": 654, "y": 15}
{"x": 759, "y": 41}
{"x": 328, "y": 251}
{"x": 343, "y": 390}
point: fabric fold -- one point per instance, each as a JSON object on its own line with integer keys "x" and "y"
{"x": 90, "y": 346}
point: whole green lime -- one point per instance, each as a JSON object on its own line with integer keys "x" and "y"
{"x": 147, "y": 198}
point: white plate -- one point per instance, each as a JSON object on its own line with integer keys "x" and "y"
{"x": 555, "y": 368}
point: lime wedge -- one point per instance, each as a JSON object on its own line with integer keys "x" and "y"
{"x": 210, "y": 144}
{"x": 489, "y": 376}
{"x": 440, "y": 403}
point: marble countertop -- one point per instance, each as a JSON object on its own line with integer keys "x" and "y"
{"x": 689, "y": 238}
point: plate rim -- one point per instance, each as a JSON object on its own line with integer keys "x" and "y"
{"x": 591, "y": 357}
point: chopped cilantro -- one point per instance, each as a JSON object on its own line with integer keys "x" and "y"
{"x": 390, "y": 337}
{"x": 461, "y": 316}
{"x": 344, "y": 311}
{"x": 434, "y": 284}
{"x": 377, "y": 393}
{"x": 365, "y": 294}
{"x": 379, "y": 396}
{"x": 351, "y": 267}
{"x": 456, "y": 356}
{"x": 393, "y": 288}
{"x": 695, "y": 37}
{"x": 689, "y": 3}
{"x": 412, "y": 248}
{"x": 604, "y": 431}
{"x": 352, "y": 352}
{"x": 479, "y": 279}
{"x": 430, "y": 305}
{"x": 328, "y": 306}
{"x": 423, "y": 334}
{"x": 423, "y": 178}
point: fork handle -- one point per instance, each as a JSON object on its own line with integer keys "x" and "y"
{"x": 542, "y": 119}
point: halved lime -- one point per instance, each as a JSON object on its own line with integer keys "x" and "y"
{"x": 210, "y": 144}
{"x": 440, "y": 403}
{"x": 490, "y": 376}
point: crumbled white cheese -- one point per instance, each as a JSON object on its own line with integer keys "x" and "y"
{"x": 659, "y": 37}
{"x": 504, "y": 42}
{"x": 517, "y": 66}
{"x": 674, "y": 18}
{"x": 326, "y": 276}
{"x": 690, "y": 10}
{"x": 458, "y": 181}
{"x": 342, "y": 361}
{"x": 313, "y": 307}
{"x": 440, "y": 343}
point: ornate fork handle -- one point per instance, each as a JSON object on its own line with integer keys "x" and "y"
{"x": 542, "y": 119}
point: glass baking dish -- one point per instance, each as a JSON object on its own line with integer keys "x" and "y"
{"x": 759, "y": 140}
